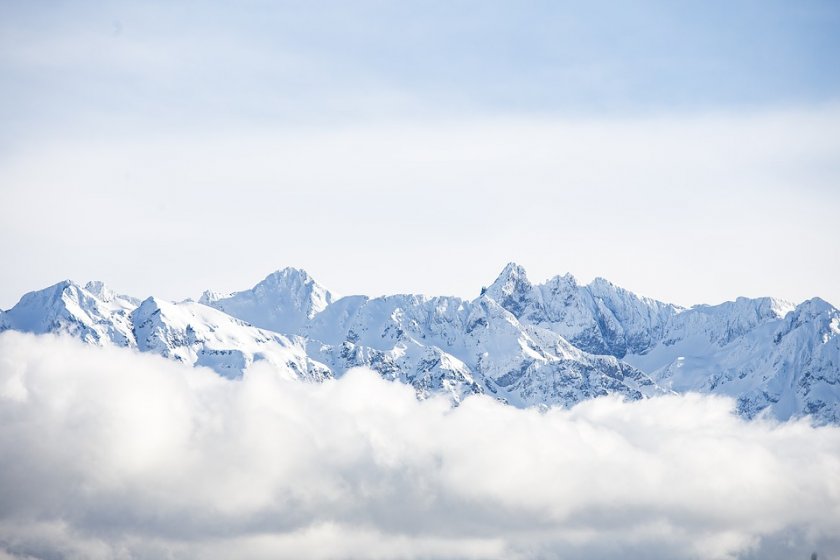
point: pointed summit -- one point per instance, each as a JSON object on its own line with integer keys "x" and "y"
{"x": 513, "y": 269}
{"x": 39, "y": 310}
{"x": 511, "y": 276}
{"x": 511, "y": 289}
{"x": 308, "y": 297}
{"x": 66, "y": 307}
{"x": 289, "y": 279}
{"x": 284, "y": 301}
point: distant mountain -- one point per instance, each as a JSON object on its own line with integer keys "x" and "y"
{"x": 526, "y": 344}
{"x": 285, "y": 301}
{"x": 196, "y": 334}
{"x": 764, "y": 352}
{"x": 187, "y": 332}
{"x": 93, "y": 313}
{"x": 478, "y": 346}
{"x": 600, "y": 318}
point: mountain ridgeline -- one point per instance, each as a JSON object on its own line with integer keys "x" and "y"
{"x": 556, "y": 343}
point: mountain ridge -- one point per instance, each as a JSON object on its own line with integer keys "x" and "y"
{"x": 558, "y": 342}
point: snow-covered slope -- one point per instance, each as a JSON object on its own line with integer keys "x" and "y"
{"x": 527, "y": 344}
{"x": 283, "y": 302}
{"x": 764, "y": 352}
{"x": 187, "y": 331}
{"x": 468, "y": 347}
{"x": 196, "y": 334}
{"x": 600, "y": 318}
{"x": 93, "y": 313}
{"x": 405, "y": 337}
{"x": 734, "y": 348}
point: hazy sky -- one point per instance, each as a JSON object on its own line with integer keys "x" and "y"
{"x": 688, "y": 151}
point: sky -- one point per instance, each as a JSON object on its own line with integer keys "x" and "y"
{"x": 686, "y": 151}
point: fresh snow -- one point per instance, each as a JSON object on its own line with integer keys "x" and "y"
{"x": 526, "y": 344}
{"x": 284, "y": 301}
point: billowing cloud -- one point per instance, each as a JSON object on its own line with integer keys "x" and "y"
{"x": 106, "y": 453}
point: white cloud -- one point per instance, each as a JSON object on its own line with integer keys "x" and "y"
{"x": 105, "y": 453}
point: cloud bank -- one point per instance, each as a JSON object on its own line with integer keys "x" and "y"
{"x": 105, "y": 453}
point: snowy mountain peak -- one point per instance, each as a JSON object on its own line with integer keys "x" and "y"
{"x": 209, "y": 296}
{"x": 512, "y": 274}
{"x": 511, "y": 288}
{"x": 814, "y": 307}
{"x": 600, "y": 318}
{"x": 193, "y": 333}
{"x": 104, "y": 293}
{"x": 99, "y": 289}
{"x": 284, "y": 301}
{"x": 567, "y": 279}
{"x": 602, "y": 283}
{"x": 288, "y": 273}
{"x": 513, "y": 269}
{"x": 822, "y": 318}
{"x": 303, "y": 291}
{"x": 37, "y": 310}
{"x": 558, "y": 342}
{"x": 66, "y": 307}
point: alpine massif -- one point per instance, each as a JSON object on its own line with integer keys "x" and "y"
{"x": 526, "y": 344}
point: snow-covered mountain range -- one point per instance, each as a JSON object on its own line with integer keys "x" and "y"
{"x": 526, "y": 344}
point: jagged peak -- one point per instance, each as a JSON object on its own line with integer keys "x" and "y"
{"x": 65, "y": 301}
{"x": 151, "y": 302}
{"x": 103, "y": 292}
{"x": 283, "y": 301}
{"x": 98, "y": 288}
{"x": 814, "y": 307}
{"x": 512, "y": 277}
{"x": 513, "y": 269}
{"x": 69, "y": 290}
{"x": 288, "y": 273}
{"x": 294, "y": 280}
{"x": 774, "y": 306}
{"x": 601, "y": 281}
{"x": 289, "y": 277}
{"x": 283, "y": 278}
{"x": 563, "y": 280}
{"x": 209, "y": 296}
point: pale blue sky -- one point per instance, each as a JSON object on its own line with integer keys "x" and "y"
{"x": 176, "y": 62}
{"x": 688, "y": 150}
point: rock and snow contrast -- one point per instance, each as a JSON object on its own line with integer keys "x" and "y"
{"x": 526, "y": 344}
